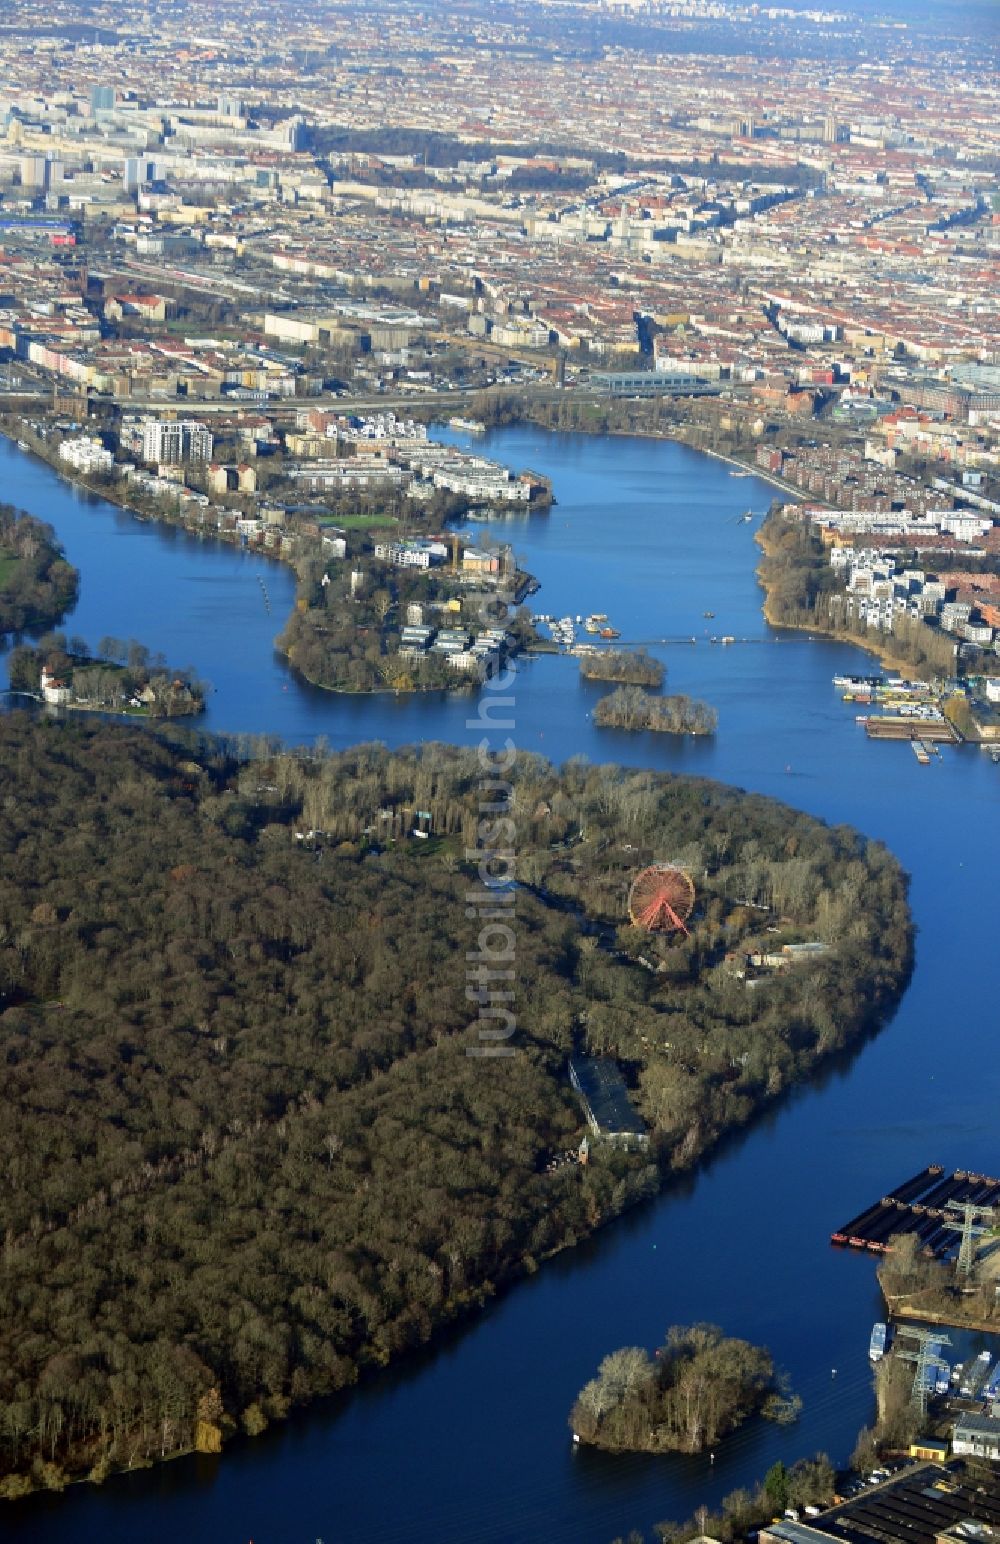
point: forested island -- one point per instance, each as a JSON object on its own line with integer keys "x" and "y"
{"x": 697, "y": 1387}
{"x": 122, "y": 677}
{"x": 37, "y": 585}
{"x": 630, "y": 707}
{"x": 630, "y": 667}
{"x": 246, "y": 1153}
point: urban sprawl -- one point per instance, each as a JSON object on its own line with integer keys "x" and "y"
{"x": 244, "y": 264}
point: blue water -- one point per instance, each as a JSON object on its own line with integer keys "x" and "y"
{"x": 469, "y": 1441}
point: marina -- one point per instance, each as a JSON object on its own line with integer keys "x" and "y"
{"x": 909, "y": 710}
{"x": 562, "y": 630}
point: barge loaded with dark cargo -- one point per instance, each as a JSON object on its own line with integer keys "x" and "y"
{"x": 918, "y": 1206}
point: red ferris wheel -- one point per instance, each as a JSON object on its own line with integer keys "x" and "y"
{"x": 661, "y": 899}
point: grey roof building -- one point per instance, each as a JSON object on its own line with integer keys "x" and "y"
{"x": 605, "y": 1098}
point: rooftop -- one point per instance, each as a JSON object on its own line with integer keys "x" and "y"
{"x": 916, "y": 1508}
{"x": 605, "y": 1096}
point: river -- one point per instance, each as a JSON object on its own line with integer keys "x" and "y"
{"x": 469, "y": 1441}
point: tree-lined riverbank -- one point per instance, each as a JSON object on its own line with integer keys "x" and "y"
{"x": 322, "y": 1041}
{"x": 37, "y": 585}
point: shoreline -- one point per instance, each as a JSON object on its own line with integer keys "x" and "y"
{"x": 682, "y": 1163}
{"x": 833, "y": 635}
{"x": 135, "y": 714}
{"x": 903, "y": 1308}
{"x": 768, "y": 477}
{"x": 887, "y": 659}
{"x": 110, "y": 496}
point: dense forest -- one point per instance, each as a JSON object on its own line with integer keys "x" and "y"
{"x": 697, "y": 1387}
{"x": 629, "y": 707}
{"x": 37, "y": 585}
{"x": 803, "y": 591}
{"x": 245, "y": 1151}
{"x": 630, "y": 667}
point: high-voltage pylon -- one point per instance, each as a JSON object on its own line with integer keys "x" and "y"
{"x": 971, "y": 1216}
{"x": 926, "y": 1356}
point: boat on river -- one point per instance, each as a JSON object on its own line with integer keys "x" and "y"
{"x": 858, "y": 683}
{"x": 881, "y": 1340}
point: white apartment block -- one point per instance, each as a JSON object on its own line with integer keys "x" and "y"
{"x": 167, "y": 442}
{"x": 86, "y": 454}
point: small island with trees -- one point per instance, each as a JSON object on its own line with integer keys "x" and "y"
{"x": 122, "y": 677}
{"x": 626, "y": 667}
{"x": 37, "y": 585}
{"x": 697, "y": 1387}
{"x": 629, "y": 707}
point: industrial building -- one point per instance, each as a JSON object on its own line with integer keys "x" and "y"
{"x": 605, "y": 1099}
{"x": 927, "y": 1504}
{"x": 653, "y": 383}
{"x": 977, "y": 1436}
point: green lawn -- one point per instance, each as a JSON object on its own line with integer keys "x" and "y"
{"x": 361, "y": 522}
{"x": 8, "y": 568}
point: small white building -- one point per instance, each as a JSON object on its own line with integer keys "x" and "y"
{"x": 978, "y": 1436}
{"x": 53, "y": 690}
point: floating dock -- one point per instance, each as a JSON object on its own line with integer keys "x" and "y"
{"x": 917, "y": 1206}
{"x": 888, "y": 727}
